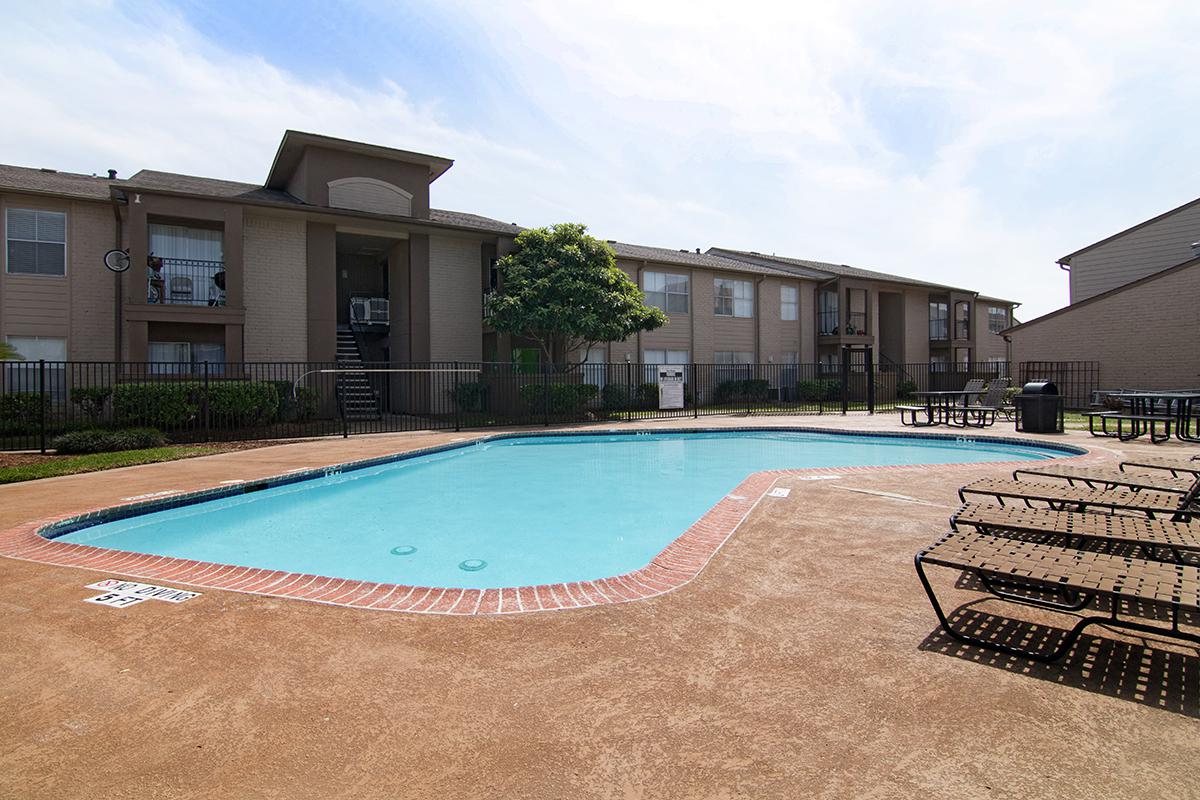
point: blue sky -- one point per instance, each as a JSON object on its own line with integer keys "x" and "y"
{"x": 964, "y": 143}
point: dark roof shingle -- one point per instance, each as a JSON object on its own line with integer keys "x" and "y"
{"x": 825, "y": 270}
{"x": 665, "y": 255}
{"x": 48, "y": 181}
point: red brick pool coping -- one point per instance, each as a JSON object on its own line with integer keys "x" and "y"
{"x": 675, "y": 566}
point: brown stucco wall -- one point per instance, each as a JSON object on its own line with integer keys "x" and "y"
{"x": 1143, "y": 336}
{"x": 321, "y": 290}
{"x": 318, "y": 166}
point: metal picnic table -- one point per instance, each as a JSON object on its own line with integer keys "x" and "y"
{"x": 1179, "y": 405}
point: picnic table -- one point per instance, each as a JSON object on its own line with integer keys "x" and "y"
{"x": 1146, "y": 408}
{"x": 940, "y": 406}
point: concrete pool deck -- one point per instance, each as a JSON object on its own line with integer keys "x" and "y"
{"x": 804, "y": 660}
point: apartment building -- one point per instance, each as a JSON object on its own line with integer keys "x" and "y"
{"x": 343, "y": 232}
{"x": 1133, "y": 310}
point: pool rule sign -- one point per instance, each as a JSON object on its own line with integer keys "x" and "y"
{"x": 670, "y": 387}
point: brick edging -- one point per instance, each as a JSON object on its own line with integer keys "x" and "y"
{"x": 676, "y": 565}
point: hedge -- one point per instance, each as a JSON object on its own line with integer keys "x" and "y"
{"x": 178, "y": 404}
{"x": 469, "y": 396}
{"x": 21, "y": 413}
{"x": 157, "y": 405}
{"x": 557, "y": 398}
{"x": 823, "y": 389}
{"x": 242, "y": 403}
{"x": 748, "y": 390}
{"x": 91, "y": 400}
{"x": 99, "y": 441}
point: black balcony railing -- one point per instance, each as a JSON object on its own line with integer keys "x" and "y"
{"x": 188, "y": 282}
{"x": 856, "y": 323}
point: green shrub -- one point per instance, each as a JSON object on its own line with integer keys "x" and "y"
{"x": 469, "y": 396}
{"x": 157, "y": 405}
{"x": 22, "y": 413}
{"x": 616, "y": 396}
{"x": 91, "y": 400}
{"x": 100, "y": 441}
{"x": 820, "y": 390}
{"x": 747, "y": 390}
{"x": 296, "y": 403}
{"x": 557, "y": 398}
{"x": 905, "y": 389}
{"x": 242, "y": 403}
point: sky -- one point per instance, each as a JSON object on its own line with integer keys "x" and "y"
{"x": 964, "y": 143}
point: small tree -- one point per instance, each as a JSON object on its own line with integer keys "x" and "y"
{"x": 562, "y": 288}
{"x": 9, "y": 353}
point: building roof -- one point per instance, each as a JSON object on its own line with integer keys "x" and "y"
{"x": 1162, "y": 273}
{"x": 990, "y": 299}
{"x": 824, "y": 270}
{"x": 1066, "y": 260}
{"x": 49, "y": 181}
{"x": 689, "y": 258}
{"x": 291, "y": 147}
{"x": 462, "y": 219}
{"x": 206, "y": 187}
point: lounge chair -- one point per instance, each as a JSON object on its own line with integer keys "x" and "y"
{"x": 1172, "y": 465}
{"x": 1063, "y": 496}
{"x": 1068, "y": 579}
{"x": 1109, "y": 477}
{"x": 989, "y": 405}
{"x": 1149, "y": 535}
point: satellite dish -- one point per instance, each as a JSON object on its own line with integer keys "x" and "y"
{"x": 117, "y": 260}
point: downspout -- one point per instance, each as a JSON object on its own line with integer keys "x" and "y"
{"x": 758, "y": 319}
{"x": 118, "y": 306}
{"x": 1066, "y": 267}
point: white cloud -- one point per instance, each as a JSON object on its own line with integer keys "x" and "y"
{"x": 963, "y": 143}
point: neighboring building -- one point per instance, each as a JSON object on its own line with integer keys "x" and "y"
{"x": 1135, "y": 307}
{"x": 343, "y": 232}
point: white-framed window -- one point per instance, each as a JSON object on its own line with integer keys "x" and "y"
{"x": 595, "y": 370}
{"x": 1000, "y": 368}
{"x": 24, "y": 376}
{"x": 939, "y": 322}
{"x": 655, "y": 358}
{"x": 667, "y": 291}
{"x": 185, "y": 243}
{"x": 827, "y": 313}
{"x": 789, "y": 303}
{"x": 730, "y": 364}
{"x": 997, "y": 318}
{"x": 733, "y": 298}
{"x": 36, "y": 242}
{"x": 182, "y": 358}
{"x": 733, "y": 357}
{"x": 939, "y": 363}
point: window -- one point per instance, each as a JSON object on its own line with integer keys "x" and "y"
{"x": 183, "y": 358}
{"x": 997, "y": 318}
{"x": 187, "y": 266}
{"x": 938, "y": 363}
{"x": 962, "y": 356}
{"x": 653, "y": 358}
{"x": 962, "y": 320}
{"x": 789, "y": 303}
{"x": 666, "y": 291}
{"x": 37, "y": 242}
{"x": 998, "y": 365}
{"x": 827, "y": 313}
{"x": 731, "y": 365}
{"x": 939, "y": 322}
{"x": 733, "y": 298}
{"x": 24, "y": 376}
{"x": 829, "y": 362}
{"x": 595, "y": 371}
{"x": 856, "y": 312}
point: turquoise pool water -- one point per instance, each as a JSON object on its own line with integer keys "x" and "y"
{"x": 509, "y": 512}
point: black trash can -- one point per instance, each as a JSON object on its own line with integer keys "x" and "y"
{"x": 1039, "y": 408}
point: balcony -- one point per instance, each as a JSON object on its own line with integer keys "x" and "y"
{"x": 186, "y": 282}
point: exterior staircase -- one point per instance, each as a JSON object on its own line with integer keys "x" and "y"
{"x": 355, "y": 393}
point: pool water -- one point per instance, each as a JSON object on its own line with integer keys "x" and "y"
{"x": 508, "y": 512}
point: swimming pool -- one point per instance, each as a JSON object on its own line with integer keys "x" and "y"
{"x": 507, "y": 511}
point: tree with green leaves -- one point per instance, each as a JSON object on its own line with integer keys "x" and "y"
{"x": 562, "y": 289}
{"x": 9, "y": 353}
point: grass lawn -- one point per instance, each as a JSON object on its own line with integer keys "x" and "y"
{"x": 16, "y": 467}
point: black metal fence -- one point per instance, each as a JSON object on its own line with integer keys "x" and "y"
{"x": 194, "y": 402}
{"x": 1076, "y": 380}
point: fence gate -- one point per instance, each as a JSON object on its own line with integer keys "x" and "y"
{"x": 858, "y": 379}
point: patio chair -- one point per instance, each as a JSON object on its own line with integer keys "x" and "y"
{"x": 990, "y": 404}
{"x": 1150, "y": 536}
{"x": 181, "y": 288}
{"x": 1062, "y": 579}
{"x": 1065, "y": 497}
{"x": 1172, "y": 465}
{"x": 1109, "y": 477}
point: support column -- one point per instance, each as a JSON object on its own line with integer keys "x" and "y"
{"x": 322, "y": 292}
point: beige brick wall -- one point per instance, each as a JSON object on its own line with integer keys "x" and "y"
{"x": 1144, "y": 336}
{"x": 79, "y": 306}
{"x": 987, "y": 344}
{"x": 275, "y": 257}
{"x": 455, "y": 299}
